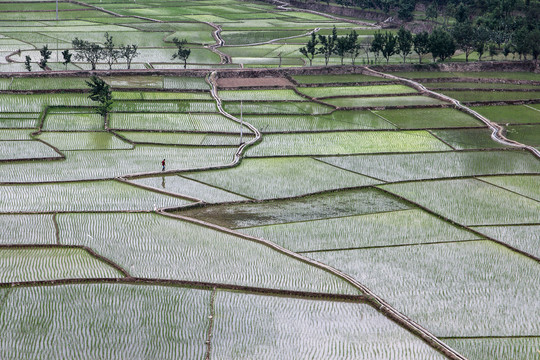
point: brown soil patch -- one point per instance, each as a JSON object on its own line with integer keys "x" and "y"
{"x": 237, "y": 82}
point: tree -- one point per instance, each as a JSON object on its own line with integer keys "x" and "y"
{"x": 27, "y": 64}
{"x": 389, "y": 46}
{"x": 182, "y": 52}
{"x": 310, "y": 50}
{"x": 441, "y": 44}
{"x": 421, "y": 44}
{"x": 404, "y": 42}
{"x": 365, "y": 44}
{"x": 328, "y": 45}
{"x": 481, "y": 37}
{"x": 87, "y": 51}
{"x": 406, "y": 9}
{"x": 67, "y": 57}
{"x": 342, "y": 47}
{"x": 100, "y": 91}
{"x": 462, "y": 13}
{"x": 534, "y": 44}
{"x": 110, "y": 54}
{"x": 464, "y": 35}
{"x": 129, "y": 52}
{"x": 45, "y": 56}
{"x": 492, "y": 48}
{"x": 377, "y": 44}
{"x": 431, "y": 12}
{"x": 353, "y": 46}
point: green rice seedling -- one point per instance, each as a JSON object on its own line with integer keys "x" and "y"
{"x": 465, "y": 139}
{"x": 346, "y": 143}
{"x": 301, "y": 108}
{"x": 477, "y": 85}
{"x": 146, "y": 245}
{"x": 337, "y": 120}
{"x": 83, "y": 140}
{"x": 465, "y": 289}
{"x": 525, "y": 134}
{"x": 107, "y": 164}
{"x": 523, "y": 237}
{"x": 73, "y": 121}
{"x": 24, "y": 150}
{"x": 510, "y": 114}
{"x": 135, "y": 81}
{"x": 406, "y": 167}
{"x": 194, "y": 189}
{"x": 281, "y": 177}
{"x": 258, "y": 36}
{"x": 27, "y": 229}
{"x": 518, "y": 348}
{"x": 472, "y": 96}
{"x": 429, "y": 118}
{"x": 39, "y": 264}
{"x": 264, "y": 95}
{"x": 174, "y": 122}
{"x": 11, "y": 134}
{"x": 13, "y": 123}
{"x": 324, "y": 92}
{"x": 176, "y": 96}
{"x": 84, "y": 196}
{"x": 470, "y": 202}
{"x": 187, "y": 83}
{"x": 165, "y": 138}
{"x": 323, "y": 79}
{"x": 104, "y": 321}
{"x": 526, "y": 185}
{"x": 253, "y": 326}
{"x": 320, "y": 206}
{"x": 35, "y": 103}
{"x": 383, "y": 101}
{"x": 66, "y": 83}
{"x": 393, "y": 228}
{"x": 165, "y": 106}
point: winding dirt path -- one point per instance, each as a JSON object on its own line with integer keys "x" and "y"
{"x": 216, "y": 34}
{"x": 497, "y": 131}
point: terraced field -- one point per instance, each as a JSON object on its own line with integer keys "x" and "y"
{"x": 300, "y": 213}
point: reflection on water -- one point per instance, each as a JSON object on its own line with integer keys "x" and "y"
{"x": 163, "y": 182}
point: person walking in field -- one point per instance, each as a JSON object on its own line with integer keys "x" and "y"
{"x": 163, "y": 165}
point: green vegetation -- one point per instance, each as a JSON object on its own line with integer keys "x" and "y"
{"x": 486, "y": 205}
{"x": 313, "y": 207}
{"x": 381, "y": 229}
{"x": 510, "y": 114}
{"x": 281, "y": 177}
{"x": 518, "y": 348}
{"x": 324, "y": 92}
{"x": 27, "y": 229}
{"x": 40, "y": 264}
{"x": 407, "y": 167}
{"x": 111, "y": 196}
{"x": 20, "y": 149}
{"x": 199, "y": 253}
{"x": 428, "y": 118}
{"x": 383, "y": 101}
{"x": 66, "y": 317}
{"x": 406, "y": 274}
{"x": 182, "y": 186}
{"x": 347, "y": 143}
{"x": 329, "y": 329}
{"x": 523, "y": 237}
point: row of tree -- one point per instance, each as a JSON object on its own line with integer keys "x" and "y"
{"x": 93, "y": 52}
{"x": 440, "y": 43}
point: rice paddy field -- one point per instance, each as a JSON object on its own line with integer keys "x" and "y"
{"x": 306, "y": 214}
